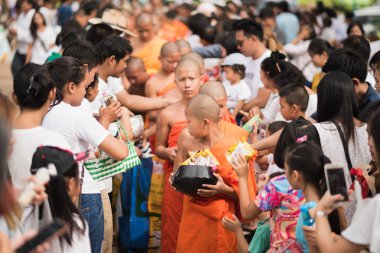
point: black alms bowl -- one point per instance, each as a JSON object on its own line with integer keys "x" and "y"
{"x": 189, "y": 178}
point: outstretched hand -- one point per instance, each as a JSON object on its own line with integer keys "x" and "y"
{"x": 240, "y": 165}
{"x": 231, "y": 224}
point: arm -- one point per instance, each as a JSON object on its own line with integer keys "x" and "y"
{"x": 115, "y": 148}
{"x": 149, "y": 89}
{"x": 212, "y": 51}
{"x": 109, "y": 114}
{"x": 162, "y": 135}
{"x": 267, "y": 142}
{"x": 235, "y": 227}
{"x": 29, "y": 53}
{"x": 260, "y": 100}
{"x": 125, "y": 121}
{"x": 182, "y": 150}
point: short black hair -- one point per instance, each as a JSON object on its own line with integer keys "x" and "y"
{"x": 249, "y": 28}
{"x": 375, "y": 58}
{"x": 266, "y": 13}
{"x": 295, "y": 95}
{"x": 283, "y": 5}
{"x": 289, "y": 74}
{"x": 317, "y": 46}
{"x": 239, "y": 69}
{"x": 89, "y": 6}
{"x": 209, "y": 34}
{"x": 98, "y": 32}
{"x": 85, "y": 52}
{"x": 228, "y": 42}
{"x": 348, "y": 61}
{"x": 114, "y": 46}
{"x": 197, "y": 23}
{"x": 353, "y": 24}
{"x": 358, "y": 44}
{"x": 276, "y": 126}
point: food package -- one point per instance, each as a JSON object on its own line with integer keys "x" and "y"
{"x": 241, "y": 147}
{"x": 254, "y": 120}
{"x": 202, "y": 157}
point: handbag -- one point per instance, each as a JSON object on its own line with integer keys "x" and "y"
{"x": 102, "y": 168}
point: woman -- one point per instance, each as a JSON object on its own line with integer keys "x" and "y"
{"x": 363, "y": 231}
{"x": 43, "y": 40}
{"x": 337, "y": 112}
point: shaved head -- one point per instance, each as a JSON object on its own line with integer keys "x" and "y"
{"x": 135, "y": 63}
{"x": 214, "y": 89}
{"x": 144, "y": 18}
{"x": 189, "y": 64}
{"x": 195, "y": 57}
{"x": 169, "y": 48}
{"x": 203, "y": 107}
{"x": 184, "y": 46}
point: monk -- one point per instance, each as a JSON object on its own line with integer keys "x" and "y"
{"x": 184, "y": 46}
{"x": 196, "y": 57}
{"x": 137, "y": 76}
{"x": 201, "y": 228}
{"x": 148, "y": 45}
{"x": 162, "y": 83}
{"x": 170, "y": 122}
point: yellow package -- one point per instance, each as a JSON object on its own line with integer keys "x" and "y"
{"x": 241, "y": 147}
{"x": 201, "y": 157}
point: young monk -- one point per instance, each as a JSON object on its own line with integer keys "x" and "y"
{"x": 170, "y": 122}
{"x": 201, "y": 228}
{"x": 184, "y": 46}
{"x": 137, "y": 76}
{"x": 196, "y": 57}
{"x": 162, "y": 83}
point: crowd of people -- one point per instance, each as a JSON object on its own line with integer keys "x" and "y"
{"x": 111, "y": 97}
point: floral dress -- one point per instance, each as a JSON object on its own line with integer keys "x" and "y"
{"x": 284, "y": 203}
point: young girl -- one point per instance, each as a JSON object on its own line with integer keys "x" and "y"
{"x": 304, "y": 168}
{"x": 63, "y": 192}
{"x": 319, "y": 51}
{"x": 43, "y": 40}
{"x": 277, "y": 196}
{"x": 237, "y": 89}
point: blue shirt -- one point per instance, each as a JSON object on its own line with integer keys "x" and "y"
{"x": 289, "y": 24}
{"x": 370, "y": 96}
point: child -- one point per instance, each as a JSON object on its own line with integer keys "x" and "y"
{"x": 63, "y": 193}
{"x": 293, "y": 101}
{"x": 304, "y": 168}
{"x": 237, "y": 90}
{"x": 319, "y": 51}
{"x": 92, "y": 90}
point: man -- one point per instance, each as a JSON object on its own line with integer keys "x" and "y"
{"x": 249, "y": 37}
{"x": 268, "y": 21}
{"x": 148, "y": 45}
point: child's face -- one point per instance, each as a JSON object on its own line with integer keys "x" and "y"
{"x": 195, "y": 126}
{"x": 292, "y": 177}
{"x": 318, "y": 60}
{"x": 38, "y": 19}
{"x": 92, "y": 92}
{"x": 188, "y": 81}
{"x": 230, "y": 74}
{"x": 288, "y": 111}
{"x": 268, "y": 84}
{"x": 222, "y": 102}
{"x": 169, "y": 62}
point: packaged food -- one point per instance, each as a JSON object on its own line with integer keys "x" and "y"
{"x": 202, "y": 157}
{"x": 254, "y": 120}
{"x": 241, "y": 147}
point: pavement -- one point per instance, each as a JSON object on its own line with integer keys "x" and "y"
{"x": 6, "y": 80}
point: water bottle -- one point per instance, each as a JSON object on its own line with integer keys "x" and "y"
{"x": 307, "y": 220}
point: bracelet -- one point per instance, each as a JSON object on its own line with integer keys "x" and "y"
{"x": 320, "y": 214}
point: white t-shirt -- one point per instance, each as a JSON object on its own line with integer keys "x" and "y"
{"x": 271, "y": 109}
{"x": 252, "y": 73}
{"x": 26, "y": 143}
{"x": 80, "y": 130}
{"x": 80, "y": 243}
{"x": 41, "y": 46}
{"x": 115, "y": 84}
{"x": 24, "y": 37}
{"x": 312, "y": 105}
{"x": 364, "y": 228}
{"x": 236, "y": 92}
{"x": 272, "y": 167}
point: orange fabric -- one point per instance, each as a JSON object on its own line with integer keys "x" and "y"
{"x": 150, "y": 53}
{"x": 173, "y": 30}
{"x": 166, "y": 89}
{"x": 172, "y": 202}
{"x": 232, "y": 130}
{"x": 182, "y": 29}
{"x": 228, "y": 117}
{"x": 201, "y": 228}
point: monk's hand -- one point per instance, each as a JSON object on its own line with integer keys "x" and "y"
{"x": 240, "y": 165}
{"x": 171, "y": 153}
{"x": 232, "y": 224}
{"x": 211, "y": 190}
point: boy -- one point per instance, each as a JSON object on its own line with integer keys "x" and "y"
{"x": 293, "y": 101}
{"x": 170, "y": 122}
{"x": 137, "y": 76}
{"x": 208, "y": 235}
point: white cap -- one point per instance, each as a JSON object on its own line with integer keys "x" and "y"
{"x": 235, "y": 58}
{"x": 205, "y": 8}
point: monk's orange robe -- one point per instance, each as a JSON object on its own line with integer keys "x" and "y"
{"x": 150, "y": 53}
{"x": 166, "y": 89}
{"x": 172, "y": 202}
{"x": 229, "y": 118}
{"x": 173, "y": 30}
{"x": 201, "y": 228}
{"x": 233, "y": 130}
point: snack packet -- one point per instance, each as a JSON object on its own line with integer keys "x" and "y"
{"x": 241, "y": 147}
{"x": 249, "y": 125}
{"x": 202, "y": 157}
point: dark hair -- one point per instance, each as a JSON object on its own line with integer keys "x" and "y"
{"x": 289, "y": 74}
{"x": 31, "y": 86}
{"x": 353, "y": 24}
{"x": 308, "y": 158}
{"x": 89, "y": 6}
{"x": 76, "y": 31}
{"x": 349, "y": 62}
{"x": 197, "y": 23}
{"x": 228, "y": 42}
{"x": 114, "y": 46}
{"x": 276, "y": 126}
{"x": 33, "y": 27}
{"x": 366, "y": 114}
{"x": 375, "y": 59}
{"x": 337, "y": 101}
{"x": 318, "y": 46}
{"x": 327, "y": 22}
{"x": 358, "y": 44}
{"x": 62, "y": 206}
{"x": 63, "y": 71}
{"x": 238, "y": 69}
{"x": 272, "y": 65}
{"x": 266, "y": 12}
{"x": 249, "y": 28}
{"x": 295, "y": 129}
{"x": 93, "y": 83}
{"x": 85, "y": 52}
{"x": 70, "y": 38}
{"x": 295, "y": 95}
{"x": 208, "y": 34}
{"x": 283, "y": 6}
{"x": 98, "y": 32}
{"x": 374, "y": 126}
